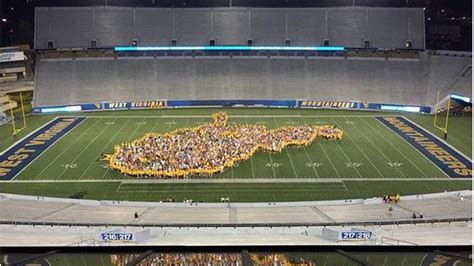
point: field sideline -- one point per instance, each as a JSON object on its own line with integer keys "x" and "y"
{"x": 370, "y": 160}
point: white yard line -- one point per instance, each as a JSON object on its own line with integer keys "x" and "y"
{"x": 394, "y": 147}
{"x": 254, "y": 190}
{"x": 154, "y": 125}
{"x": 85, "y": 148}
{"x": 417, "y": 150}
{"x": 347, "y": 157}
{"x": 362, "y": 152}
{"x": 228, "y": 180}
{"x": 289, "y": 157}
{"x": 39, "y": 155}
{"x": 104, "y": 147}
{"x": 345, "y": 187}
{"x": 232, "y": 168}
{"x": 311, "y": 161}
{"x": 376, "y": 147}
{"x": 209, "y": 116}
{"x": 55, "y": 158}
{"x": 128, "y": 140}
{"x": 271, "y": 160}
{"x": 325, "y": 260}
{"x": 118, "y": 187}
{"x": 405, "y": 259}
{"x": 325, "y": 154}
{"x": 251, "y": 158}
{"x": 330, "y": 161}
{"x": 29, "y": 134}
{"x": 441, "y": 140}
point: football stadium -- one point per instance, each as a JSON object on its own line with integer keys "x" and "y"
{"x": 235, "y": 133}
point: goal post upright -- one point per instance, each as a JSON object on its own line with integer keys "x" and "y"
{"x": 446, "y": 122}
{"x": 13, "y": 118}
{"x": 436, "y": 111}
{"x": 23, "y": 111}
{"x": 23, "y": 115}
{"x": 447, "y": 119}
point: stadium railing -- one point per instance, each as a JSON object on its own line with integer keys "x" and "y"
{"x": 245, "y": 225}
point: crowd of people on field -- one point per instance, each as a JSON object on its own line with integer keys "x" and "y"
{"x": 209, "y": 148}
{"x": 280, "y": 259}
{"x": 211, "y": 259}
{"x": 178, "y": 259}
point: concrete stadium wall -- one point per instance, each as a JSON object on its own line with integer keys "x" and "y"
{"x": 344, "y": 26}
{"x": 56, "y": 211}
{"x": 90, "y": 80}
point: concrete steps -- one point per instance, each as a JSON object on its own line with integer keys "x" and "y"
{"x": 6, "y": 103}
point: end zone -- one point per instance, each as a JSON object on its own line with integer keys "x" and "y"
{"x": 20, "y": 155}
{"x": 448, "y": 160}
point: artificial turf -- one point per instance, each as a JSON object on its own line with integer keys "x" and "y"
{"x": 370, "y": 160}
{"x": 237, "y": 192}
{"x": 301, "y": 258}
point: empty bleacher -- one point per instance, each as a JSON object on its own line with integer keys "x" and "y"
{"x": 67, "y": 211}
{"x": 5, "y": 105}
{"x": 383, "y": 80}
{"x": 57, "y": 27}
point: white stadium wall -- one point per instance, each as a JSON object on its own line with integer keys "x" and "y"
{"x": 402, "y": 81}
{"x": 70, "y": 27}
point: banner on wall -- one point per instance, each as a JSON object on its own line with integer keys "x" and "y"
{"x": 134, "y": 105}
{"x": 230, "y": 103}
{"x": 12, "y": 57}
{"x": 328, "y": 104}
{"x": 158, "y": 104}
{"x": 362, "y": 106}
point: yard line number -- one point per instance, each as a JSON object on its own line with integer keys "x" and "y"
{"x": 273, "y": 164}
{"x": 353, "y": 164}
{"x": 394, "y": 164}
{"x": 69, "y": 165}
{"x": 313, "y": 164}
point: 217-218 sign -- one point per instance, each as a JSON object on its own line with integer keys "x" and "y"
{"x": 355, "y": 235}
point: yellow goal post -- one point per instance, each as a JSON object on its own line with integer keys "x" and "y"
{"x": 16, "y": 129}
{"x": 438, "y": 114}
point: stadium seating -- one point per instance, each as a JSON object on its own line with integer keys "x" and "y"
{"x": 29, "y": 210}
{"x": 403, "y": 81}
{"x": 293, "y": 215}
{"x": 113, "y": 26}
{"x": 436, "y": 209}
{"x": 447, "y": 206}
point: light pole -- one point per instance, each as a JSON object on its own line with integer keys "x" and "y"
{"x": 2, "y": 33}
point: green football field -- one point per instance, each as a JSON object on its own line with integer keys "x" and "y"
{"x": 316, "y": 258}
{"x": 369, "y": 161}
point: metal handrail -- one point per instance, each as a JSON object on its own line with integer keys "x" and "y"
{"x": 235, "y": 225}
